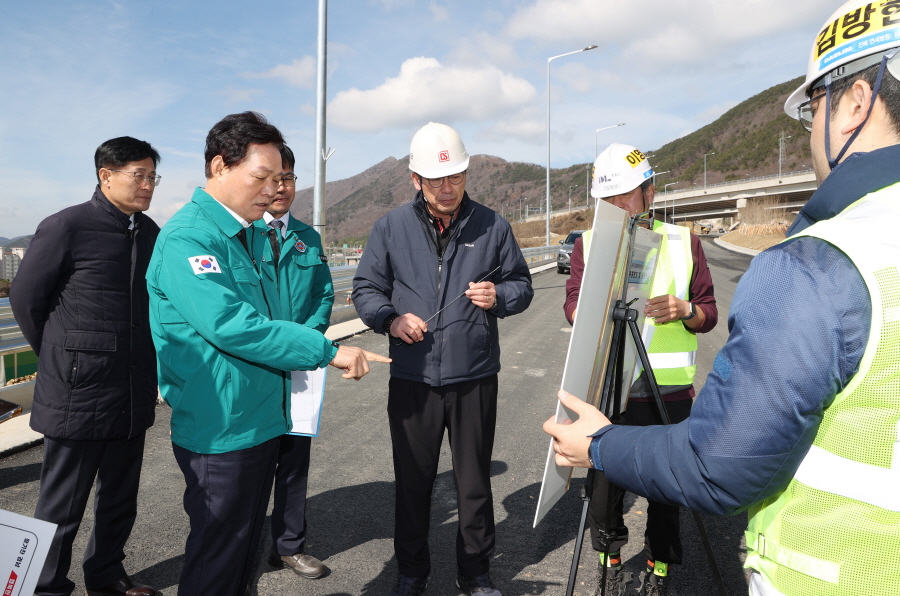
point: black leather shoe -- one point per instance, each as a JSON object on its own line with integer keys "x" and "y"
{"x": 123, "y": 587}
{"x": 303, "y": 565}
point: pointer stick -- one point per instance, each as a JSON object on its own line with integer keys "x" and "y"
{"x": 461, "y": 295}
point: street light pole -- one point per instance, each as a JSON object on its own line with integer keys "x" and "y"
{"x": 704, "y": 167}
{"x": 321, "y": 154}
{"x": 655, "y": 175}
{"x": 666, "y": 200}
{"x": 781, "y": 141}
{"x": 596, "y": 147}
{"x": 571, "y": 186}
{"x": 549, "y": 60}
{"x": 587, "y": 185}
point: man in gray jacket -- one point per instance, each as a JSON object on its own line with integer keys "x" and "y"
{"x": 420, "y": 257}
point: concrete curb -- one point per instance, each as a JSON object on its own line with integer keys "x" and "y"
{"x": 735, "y": 248}
{"x": 16, "y": 435}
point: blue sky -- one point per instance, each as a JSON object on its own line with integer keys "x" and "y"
{"x": 77, "y": 73}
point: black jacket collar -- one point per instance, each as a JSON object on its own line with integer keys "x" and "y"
{"x": 100, "y": 201}
{"x": 854, "y": 178}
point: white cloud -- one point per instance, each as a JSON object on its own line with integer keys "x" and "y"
{"x": 301, "y": 72}
{"x": 162, "y": 209}
{"x": 193, "y": 155}
{"x": 176, "y": 189}
{"x": 484, "y": 48}
{"x": 662, "y": 31}
{"x": 584, "y": 79}
{"x": 440, "y": 13}
{"x": 392, "y": 4}
{"x": 426, "y": 90}
{"x": 235, "y": 95}
{"x": 527, "y": 126}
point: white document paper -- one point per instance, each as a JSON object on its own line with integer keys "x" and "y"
{"x": 307, "y": 393}
{"x": 24, "y": 544}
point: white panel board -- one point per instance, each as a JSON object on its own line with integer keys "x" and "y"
{"x": 24, "y": 544}
{"x": 604, "y": 276}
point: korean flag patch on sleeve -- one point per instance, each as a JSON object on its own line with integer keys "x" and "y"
{"x": 204, "y": 264}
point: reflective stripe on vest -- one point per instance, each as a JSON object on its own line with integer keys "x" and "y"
{"x": 832, "y": 473}
{"x": 835, "y": 529}
{"x": 672, "y": 348}
{"x": 660, "y": 360}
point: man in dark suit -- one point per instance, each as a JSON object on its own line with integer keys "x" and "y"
{"x": 81, "y": 301}
{"x": 307, "y": 295}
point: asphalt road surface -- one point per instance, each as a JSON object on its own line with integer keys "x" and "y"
{"x": 350, "y": 508}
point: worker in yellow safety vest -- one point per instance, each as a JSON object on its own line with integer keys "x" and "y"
{"x": 682, "y": 304}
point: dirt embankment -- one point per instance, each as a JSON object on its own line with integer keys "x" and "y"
{"x": 758, "y": 242}
{"x": 534, "y": 233}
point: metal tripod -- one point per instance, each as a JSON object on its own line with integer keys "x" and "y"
{"x": 610, "y": 398}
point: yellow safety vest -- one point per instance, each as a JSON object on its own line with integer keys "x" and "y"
{"x": 835, "y": 529}
{"x": 672, "y": 347}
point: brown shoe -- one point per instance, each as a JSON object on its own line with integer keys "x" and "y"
{"x": 123, "y": 587}
{"x": 303, "y": 565}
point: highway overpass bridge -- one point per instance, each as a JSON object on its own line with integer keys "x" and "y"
{"x": 791, "y": 190}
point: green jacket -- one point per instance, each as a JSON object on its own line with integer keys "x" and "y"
{"x": 221, "y": 350}
{"x": 304, "y": 279}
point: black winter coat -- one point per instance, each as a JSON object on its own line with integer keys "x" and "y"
{"x": 80, "y": 298}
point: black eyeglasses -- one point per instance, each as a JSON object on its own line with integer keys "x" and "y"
{"x": 805, "y": 112}
{"x": 288, "y": 180}
{"x": 141, "y": 178}
{"x": 455, "y": 180}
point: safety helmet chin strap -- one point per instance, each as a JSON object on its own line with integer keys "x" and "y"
{"x": 832, "y": 163}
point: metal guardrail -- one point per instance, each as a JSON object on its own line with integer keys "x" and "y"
{"x": 11, "y": 340}
{"x": 342, "y": 277}
{"x": 13, "y": 343}
{"x": 540, "y": 253}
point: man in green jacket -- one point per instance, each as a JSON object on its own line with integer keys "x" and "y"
{"x": 222, "y": 352}
{"x": 307, "y": 295}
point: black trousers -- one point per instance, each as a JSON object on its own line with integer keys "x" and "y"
{"x": 289, "y": 508}
{"x": 68, "y": 473}
{"x": 418, "y": 415}
{"x": 226, "y": 499}
{"x": 662, "y": 538}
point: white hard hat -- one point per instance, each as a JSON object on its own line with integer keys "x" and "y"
{"x": 859, "y": 32}
{"x": 436, "y": 151}
{"x": 619, "y": 169}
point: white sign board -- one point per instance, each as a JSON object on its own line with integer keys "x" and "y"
{"x": 601, "y": 286}
{"x": 307, "y": 394}
{"x": 24, "y": 544}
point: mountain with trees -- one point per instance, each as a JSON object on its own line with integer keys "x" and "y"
{"x": 17, "y": 242}
{"x": 744, "y": 140}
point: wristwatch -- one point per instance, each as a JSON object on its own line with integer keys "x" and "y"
{"x": 693, "y": 312}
